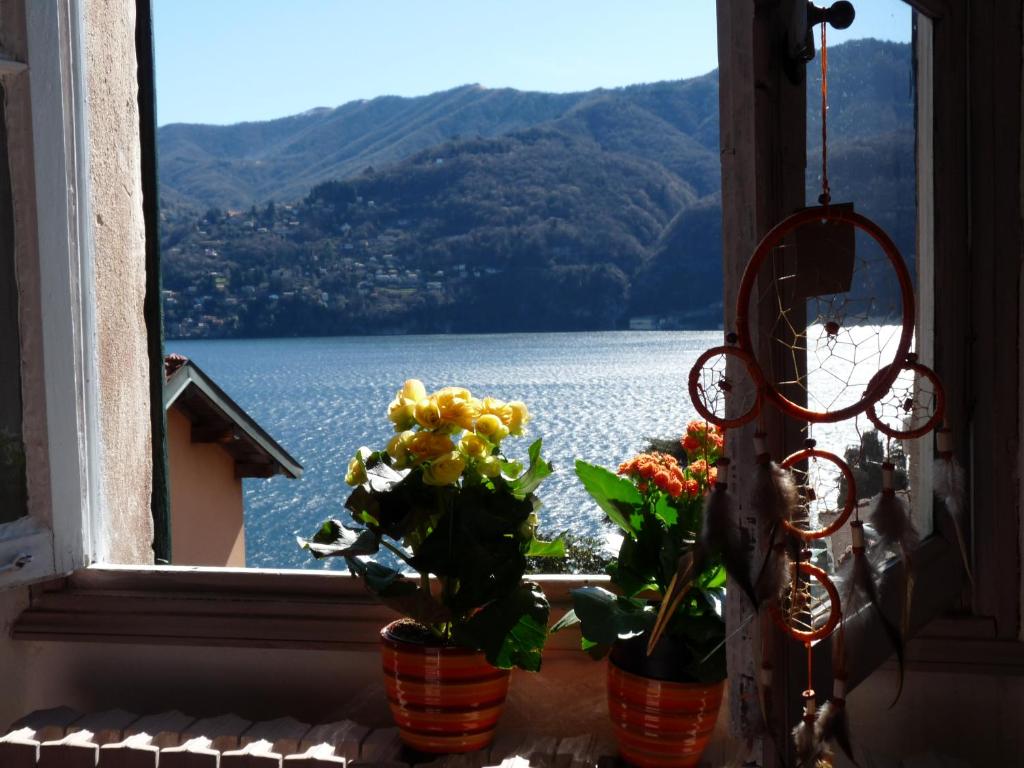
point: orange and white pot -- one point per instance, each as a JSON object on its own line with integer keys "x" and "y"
{"x": 443, "y": 699}
{"x": 659, "y": 723}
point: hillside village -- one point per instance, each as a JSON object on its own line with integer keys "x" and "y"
{"x": 484, "y": 211}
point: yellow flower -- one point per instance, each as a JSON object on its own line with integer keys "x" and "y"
{"x": 498, "y": 408}
{"x": 452, "y": 393}
{"x": 529, "y": 527}
{"x": 413, "y": 391}
{"x": 491, "y": 427}
{"x": 424, "y": 446}
{"x": 458, "y": 407}
{"x": 428, "y": 413}
{"x": 474, "y": 447}
{"x": 398, "y": 448}
{"x": 402, "y": 413}
{"x": 445, "y": 469}
{"x": 356, "y": 474}
{"x": 519, "y": 417}
{"x": 489, "y": 467}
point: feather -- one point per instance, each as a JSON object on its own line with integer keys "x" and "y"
{"x": 949, "y": 483}
{"x": 890, "y": 517}
{"x": 776, "y": 574}
{"x": 811, "y": 751}
{"x": 720, "y": 535}
{"x": 859, "y": 579}
{"x": 833, "y": 726}
{"x": 774, "y": 498}
{"x": 949, "y": 487}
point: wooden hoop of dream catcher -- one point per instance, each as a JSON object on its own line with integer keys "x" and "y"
{"x": 774, "y": 238}
{"x": 814, "y": 454}
{"x": 939, "y": 405}
{"x": 700, "y": 390}
{"x": 813, "y": 630}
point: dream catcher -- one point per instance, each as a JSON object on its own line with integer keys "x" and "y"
{"x": 830, "y": 291}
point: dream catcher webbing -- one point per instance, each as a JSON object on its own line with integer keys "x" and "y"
{"x": 857, "y": 338}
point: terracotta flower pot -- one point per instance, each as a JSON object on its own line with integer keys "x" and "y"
{"x": 661, "y": 723}
{"x": 443, "y": 699}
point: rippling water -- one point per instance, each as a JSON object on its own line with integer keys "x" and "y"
{"x": 595, "y": 396}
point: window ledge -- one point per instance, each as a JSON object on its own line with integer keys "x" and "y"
{"x": 240, "y": 607}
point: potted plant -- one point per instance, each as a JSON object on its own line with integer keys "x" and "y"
{"x": 663, "y": 700}
{"x": 458, "y": 521}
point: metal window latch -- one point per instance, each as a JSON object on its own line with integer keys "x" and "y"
{"x": 20, "y": 561}
{"x": 800, "y": 36}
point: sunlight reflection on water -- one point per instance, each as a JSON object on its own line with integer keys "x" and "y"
{"x": 594, "y": 396}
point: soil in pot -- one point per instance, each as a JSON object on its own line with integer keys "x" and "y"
{"x": 444, "y": 699}
{"x": 661, "y": 719}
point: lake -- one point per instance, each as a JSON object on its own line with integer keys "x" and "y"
{"x": 594, "y": 396}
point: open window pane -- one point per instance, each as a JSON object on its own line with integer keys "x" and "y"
{"x": 12, "y": 449}
{"x": 551, "y": 235}
{"x": 879, "y": 143}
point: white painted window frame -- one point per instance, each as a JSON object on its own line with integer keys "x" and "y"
{"x": 61, "y": 541}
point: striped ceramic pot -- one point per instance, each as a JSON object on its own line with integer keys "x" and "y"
{"x": 443, "y": 699}
{"x": 661, "y": 724}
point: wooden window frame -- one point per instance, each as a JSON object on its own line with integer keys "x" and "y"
{"x": 57, "y": 538}
{"x": 763, "y": 156}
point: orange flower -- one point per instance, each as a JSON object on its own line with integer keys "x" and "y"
{"x": 698, "y": 428}
{"x": 698, "y": 467}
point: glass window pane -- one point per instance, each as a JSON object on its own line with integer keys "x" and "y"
{"x": 12, "y": 450}
{"x": 877, "y": 120}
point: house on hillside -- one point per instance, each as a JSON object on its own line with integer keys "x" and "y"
{"x": 211, "y": 445}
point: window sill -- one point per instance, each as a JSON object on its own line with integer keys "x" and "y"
{"x": 239, "y": 607}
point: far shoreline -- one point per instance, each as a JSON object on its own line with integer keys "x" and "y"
{"x": 623, "y": 331}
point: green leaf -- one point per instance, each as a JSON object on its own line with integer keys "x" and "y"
{"x": 511, "y": 631}
{"x": 399, "y": 593}
{"x": 606, "y": 617}
{"x": 712, "y": 578}
{"x": 333, "y": 539}
{"x": 664, "y": 511}
{"x": 528, "y": 482}
{"x": 596, "y": 651}
{"x": 568, "y": 620}
{"x": 538, "y": 548}
{"x": 617, "y": 496}
{"x": 635, "y": 568}
{"x": 716, "y": 599}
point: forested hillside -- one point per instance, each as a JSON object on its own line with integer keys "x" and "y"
{"x": 481, "y": 210}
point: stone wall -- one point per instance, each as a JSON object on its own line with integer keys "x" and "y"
{"x": 120, "y": 279}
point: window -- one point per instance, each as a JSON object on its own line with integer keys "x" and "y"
{"x": 12, "y": 447}
{"x": 764, "y": 178}
{"x": 50, "y": 235}
{"x": 408, "y": 235}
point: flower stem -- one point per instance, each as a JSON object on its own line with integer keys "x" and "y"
{"x": 389, "y": 546}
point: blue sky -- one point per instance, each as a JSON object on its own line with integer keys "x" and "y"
{"x": 226, "y": 61}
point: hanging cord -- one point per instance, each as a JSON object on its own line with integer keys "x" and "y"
{"x": 826, "y": 197}
{"x": 810, "y": 666}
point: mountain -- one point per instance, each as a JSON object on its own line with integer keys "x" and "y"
{"x": 492, "y": 210}
{"x": 235, "y": 166}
